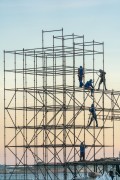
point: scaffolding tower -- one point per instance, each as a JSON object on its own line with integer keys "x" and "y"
{"x": 46, "y": 113}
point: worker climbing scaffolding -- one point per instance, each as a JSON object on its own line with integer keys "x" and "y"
{"x": 102, "y": 79}
{"x": 92, "y": 110}
{"x": 89, "y": 86}
{"x": 82, "y": 151}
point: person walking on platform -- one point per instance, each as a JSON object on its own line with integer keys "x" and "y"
{"x": 93, "y": 113}
{"x": 80, "y": 76}
{"x": 88, "y": 85}
{"x": 82, "y": 151}
{"x": 102, "y": 79}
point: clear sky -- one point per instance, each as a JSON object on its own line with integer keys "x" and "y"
{"x": 21, "y": 23}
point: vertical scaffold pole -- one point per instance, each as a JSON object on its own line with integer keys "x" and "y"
{"x": 93, "y": 99}
{"x": 4, "y": 122}
{"x": 26, "y": 104}
{"x": 15, "y": 113}
{"x": 35, "y": 133}
{"x": 103, "y": 108}
{"x": 54, "y": 104}
{"x": 74, "y": 101}
{"x": 36, "y": 86}
{"x": 64, "y": 106}
{"x": 112, "y": 117}
{"x": 43, "y": 62}
{"x": 84, "y": 89}
{"x": 46, "y": 110}
{"x": 24, "y": 133}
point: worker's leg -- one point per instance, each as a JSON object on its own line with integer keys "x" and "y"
{"x": 92, "y": 91}
{"x": 95, "y": 117}
{"x": 104, "y": 82}
{"x": 83, "y": 156}
{"x": 90, "y": 121}
{"x": 100, "y": 83}
{"x": 81, "y": 84}
{"x": 80, "y": 156}
{"x": 80, "y": 78}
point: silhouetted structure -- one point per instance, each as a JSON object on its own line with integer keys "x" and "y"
{"x": 46, "y": 112}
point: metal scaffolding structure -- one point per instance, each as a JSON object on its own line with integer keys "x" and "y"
{"x": 46, "y": 113}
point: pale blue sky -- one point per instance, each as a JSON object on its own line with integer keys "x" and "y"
{"x": 21, "y": 23}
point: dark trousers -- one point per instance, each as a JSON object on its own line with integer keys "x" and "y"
{"x": 82, "y": 156}
{"x": 80, "y": 78}
{"x": 94, "y": 116}
{"x": 104, "y": 83}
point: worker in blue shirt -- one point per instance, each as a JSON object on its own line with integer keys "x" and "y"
{"x": 81, "y": 75}
{"x": 102, "y": 79}
{"x": 94, "y": 116}
{"x": 82, "y": 151}
{"x": 88, "y": 85}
